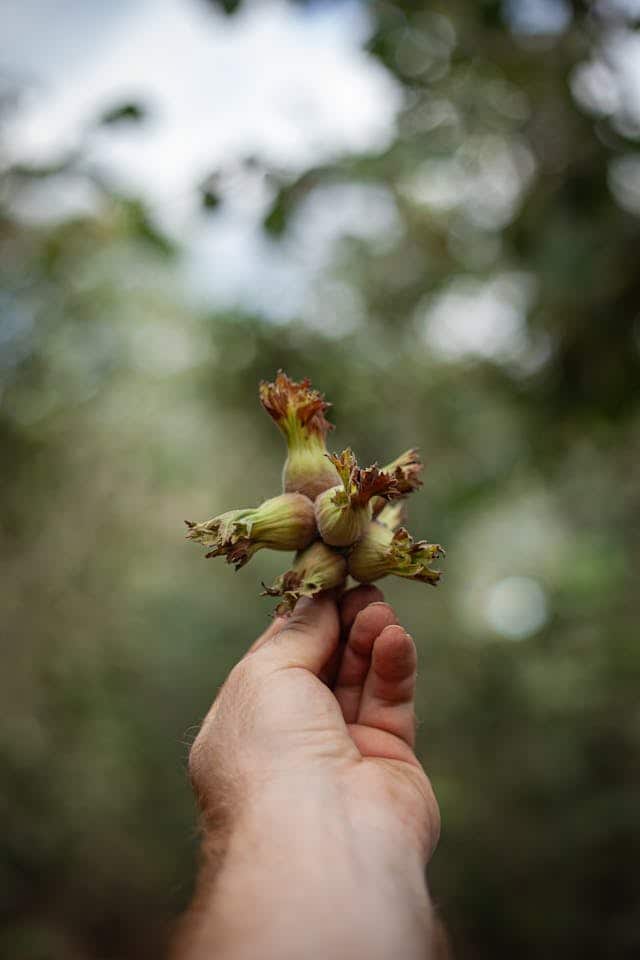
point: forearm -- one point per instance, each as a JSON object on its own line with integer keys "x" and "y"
{"x": 309, "y": 885}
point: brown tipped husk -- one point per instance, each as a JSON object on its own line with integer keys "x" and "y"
{"x": 295, "y": 406}
{"x": 299, "y": 412}
{"x": 406, "y": 470}
{"x": 344, "y": 511}
{"x": 361, "y": 484}
{"x": 383, "y": 552}
{"x": 315, "y": 569}
{"x": 286, "y": 522}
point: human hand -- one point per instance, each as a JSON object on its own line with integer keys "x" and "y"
{"x": 316, "y": 810}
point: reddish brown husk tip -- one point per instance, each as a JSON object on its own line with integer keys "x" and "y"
{"x": 383, "y": 551}
{"x": 361, "y": 484}
{"x": 295, "y": 405}
{"x": 287, "y": 586}
{"x": 298, "y": 410}
{"x": 315, "y": 569}
{"x": 286, "y": 522}
{"x": 406, "y": 470}
{"x": 343, "y": 511}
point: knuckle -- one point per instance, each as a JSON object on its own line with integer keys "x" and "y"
{"x": 202, "y": 755}
{"x": 197, "y": 762}
{"x": 213, "y": 758}
{"x": 296, "y": 627}
{"x": 243, "y": 675}
{"x": 295, "y": 631}
{"x": 433, "y": 818}
{"x": 206, "y": 763}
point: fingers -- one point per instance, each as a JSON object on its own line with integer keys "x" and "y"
{"x": 349, "y": 606}
{"x": 306, "y": 639}
{"x": 355, "y": 600}
{"x": 387, "y": 701}
{"x": 356, "y": 659}
{"x": 351, "y": 603}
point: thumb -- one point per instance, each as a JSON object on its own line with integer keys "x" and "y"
{"x": 307, "y": 639}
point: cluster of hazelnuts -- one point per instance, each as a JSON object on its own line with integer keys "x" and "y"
{"x": 341, "y": 519}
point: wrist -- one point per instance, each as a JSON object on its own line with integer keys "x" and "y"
{"x": 298, "y": 871}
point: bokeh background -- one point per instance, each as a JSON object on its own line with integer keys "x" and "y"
{"x": 432, "y": 210}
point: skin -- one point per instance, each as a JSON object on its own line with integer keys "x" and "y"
{"x": 318, "y": 820}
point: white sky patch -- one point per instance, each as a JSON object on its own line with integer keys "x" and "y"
{"x": 357, "y": 210}
{"x": 594, "y": 86}
{"x": 624, "y": 53}
{"x": 162, "y": 348}
{"x": 535, "y": 17}
{"x": 517, "y": 607}
{"x": 56, "y": 198}
{"x": 294, "y": 87}
{"x": 523, "y": 538}
{"x": 624, "y": 181}
{"x": 483, "y": 319}
{"x": 629, "y": 8}
{"x": 232, "y": 261}
{"x": 288, "y": 85}
{"x": 609, "y": 84}
{"x": 486, "y": 179}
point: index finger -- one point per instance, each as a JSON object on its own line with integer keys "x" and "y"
{"x": 355, "y": 600}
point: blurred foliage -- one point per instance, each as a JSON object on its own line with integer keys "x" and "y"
{"x": 124, "y": 410}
